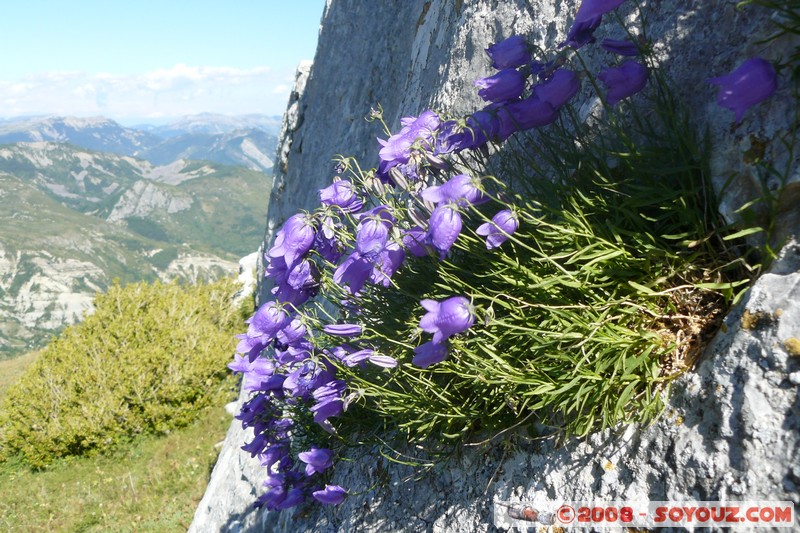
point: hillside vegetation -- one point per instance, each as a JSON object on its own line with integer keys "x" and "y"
{"x": 149, "y": 360}
{"x": 75, "y": 219}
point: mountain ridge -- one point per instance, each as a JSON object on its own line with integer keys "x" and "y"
{"x": 246, "y": 140}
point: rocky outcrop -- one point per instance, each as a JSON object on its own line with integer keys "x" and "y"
{"x": 144, "y": 198}
{"x": 43, "y": 292}
{"x": 733, "y": 425}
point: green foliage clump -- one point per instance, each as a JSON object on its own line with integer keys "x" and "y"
{"x": 148, "y": 360}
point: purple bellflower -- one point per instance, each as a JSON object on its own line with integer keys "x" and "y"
{"x": 587, "y": 19}
{"x": 316, "y": 459}
{"x": 461, "y": 189}
{"x": 294, "y": 496}
{"x": 387, "y": 263}
{"x": 383, "y": 361}
{"x": 622, "y": 48}
{"x": 294, "y": 239}
{"x": 330, "y": 495}
{"x": 329, "y": 401}
{"x": 372, "y": 236}
{"x": 623, "y": 81}
{"x": 531, "y": 112}
{"x": 303, "y": 274}
{"x": 506, "y": 85}
{"x": 558, "y": 89}
{"x": 353, "y": 272}
{"x": 397, "y": 149}
{"x": 444, "y": 228}
{"x": 341, "y": 193}
{"x": 446, "y": 318}
{"x": 414, "y": 241}
{"x": 356, "y": 358}
{"x": 429, "y": 354}
{"x": 343, "y": 330}
{"x": 503, "y": 224}
{"x": 752, "y": 82}
{"x": 292, "y": 333}
{"x": 509, "y": 53}
{"x": 275, "y": 493}
{"x": 267, "y": 321}
{"x": 479, "y": 128}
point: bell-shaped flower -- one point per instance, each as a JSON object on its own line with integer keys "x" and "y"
{"x": 275, "y": 493}
{"x": 251, "y": 346}
{"x": 341, "y": 193}
{"x": 273, "y": 455}
{"x": 384, "y": 361}
{"x": 294, "y": 239}
{"x": 342, "y": 330}
{"x": 620, "y": 47}
{"x": 372, "y": 236}
{"x": 357, "y": 357}
{"x": 623, "y": 81}
{"x": 752, "y": 82}
{"x": 416, "y": 130}
{"x": 329, "y": 401}
{"x": 429, "y": 354}
{"x": 461, "y": 189}
{"x": 558, "y": 89}
{"x": 353, "y": 272}
{"x": 257, "y": 445}
{"x": 532, "y": 112}
{"x": 509, "y": 53}
{"x": 587, "y": 19}
{"x": 330, "y": 495}
{"x": 387, "y": 263}
{"x": 294, "y": 497}
{"x": 414, "y": 241}
{"x": 303, "y": 274}
{"x": 503, "y": 224}
{"x": 270, "y": 384}
{"x": 294, "y": 332}
{"x": 302, "y": 381}
{"x": 316, "y": 459}
{"x": 240, "y": 364}
{"x": 506, "y": 85}
{"x": 292, "y": 298}
{"x": 444, "y": 227}
{"x": 326, "y": 244}
{"x": 267, "y": 321}
{"x": 444, "y": 319}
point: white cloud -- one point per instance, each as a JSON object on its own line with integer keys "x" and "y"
{"x": 179, "y": 90}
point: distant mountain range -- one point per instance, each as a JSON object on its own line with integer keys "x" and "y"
{"x": 246, "y": 140}
{"x": 84, "y": 201}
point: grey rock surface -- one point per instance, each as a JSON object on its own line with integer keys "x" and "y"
{"x": 235, "y": 482}
{"x": 733, "y": 425}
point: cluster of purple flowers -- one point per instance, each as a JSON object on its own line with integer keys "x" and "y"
{"x": 291, "y": 361}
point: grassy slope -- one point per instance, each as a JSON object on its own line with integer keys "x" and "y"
{"x": 153, "y": 485}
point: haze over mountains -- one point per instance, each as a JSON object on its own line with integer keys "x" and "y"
{"x": 84, "y": 201}
{"x": 246, "y": 140}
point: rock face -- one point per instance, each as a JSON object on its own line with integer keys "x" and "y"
{"x": 144, "y": 198}
{"x": 732, "y": 429}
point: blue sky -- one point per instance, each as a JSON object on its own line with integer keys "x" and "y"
{"x": 152, "y": 59}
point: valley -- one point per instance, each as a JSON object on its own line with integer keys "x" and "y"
{"x": 82, "y": 203}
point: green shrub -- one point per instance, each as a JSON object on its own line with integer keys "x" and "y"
{"x": 148, "y": 360}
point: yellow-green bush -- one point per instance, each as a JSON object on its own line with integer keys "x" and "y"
{"x": 148, "y": 360}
